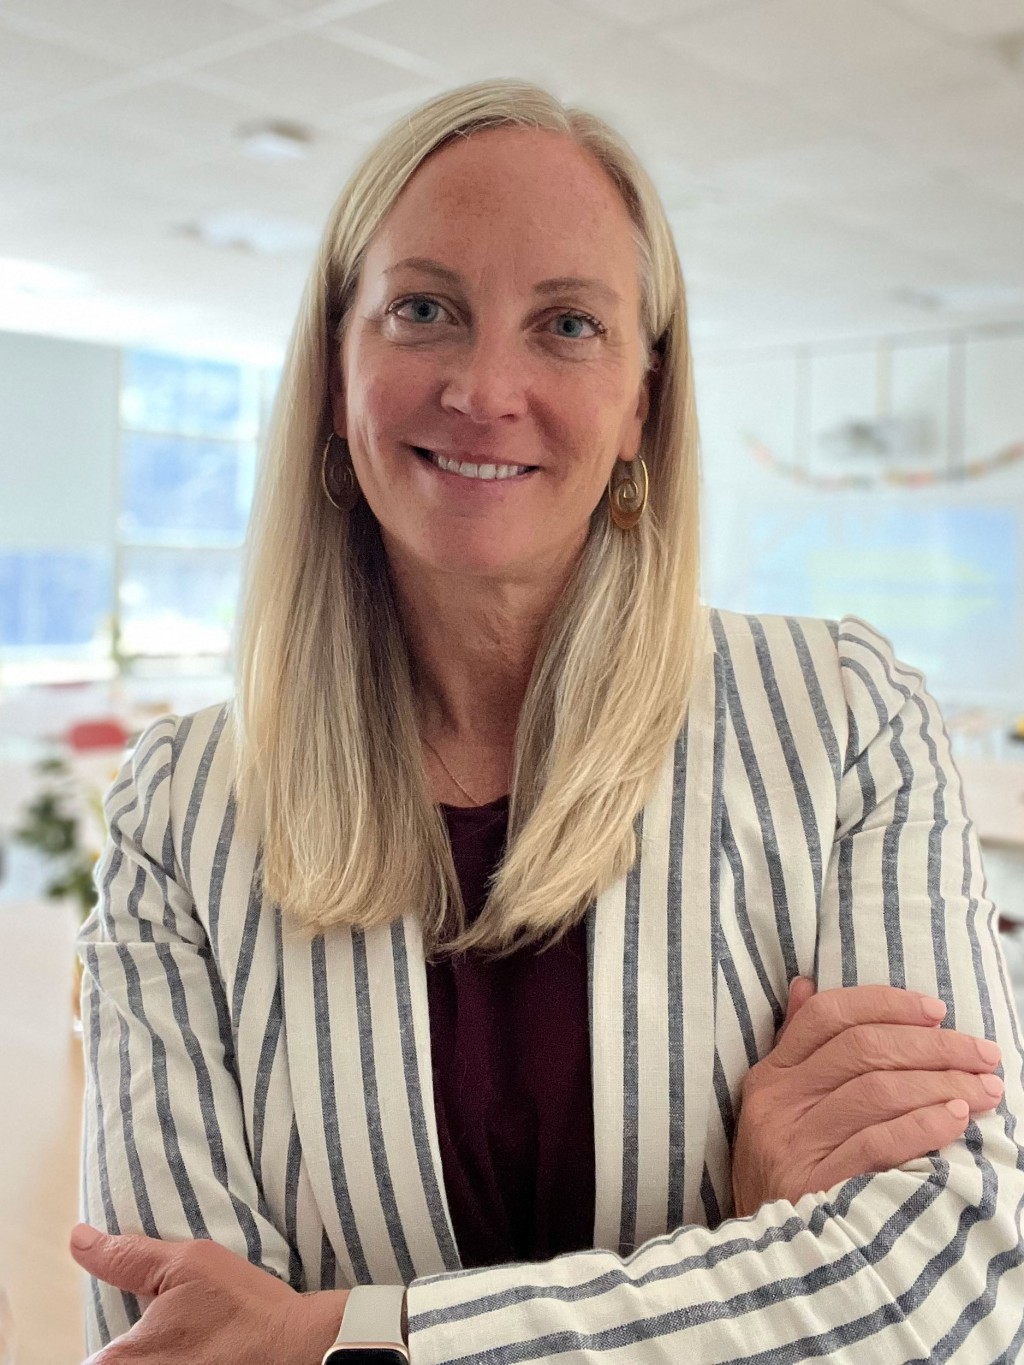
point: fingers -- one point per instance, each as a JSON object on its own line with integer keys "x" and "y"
{"x": 801, "y": 989}
{"x": 880, "y": 1097}
{"x": 829, "y": 1013}
{"x": 887, "y": 1145}
{"x": 866, "y": 1048}
{"x": 130, "y": 1261}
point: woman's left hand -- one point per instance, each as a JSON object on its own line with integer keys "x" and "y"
{"x": 210, "y": 1307}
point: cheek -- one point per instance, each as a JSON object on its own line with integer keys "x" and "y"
{"x": 380, "y": 402}
{"x": 593, "y": 423}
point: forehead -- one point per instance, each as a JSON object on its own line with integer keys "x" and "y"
{"x": 526, "y": 198}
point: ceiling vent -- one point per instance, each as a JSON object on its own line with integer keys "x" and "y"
{"x": 1009, "y": 48}
{"x": 980, "y": 296}
{"x": 277, "y": 140}
{"x": 258, "y": 233}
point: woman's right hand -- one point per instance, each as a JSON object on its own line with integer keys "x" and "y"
{"x": 860, "y": 1079}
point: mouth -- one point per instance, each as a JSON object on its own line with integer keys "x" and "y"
{"x": 466, "y": 469}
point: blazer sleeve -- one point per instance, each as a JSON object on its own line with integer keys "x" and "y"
{"x": 923, "y": 1263}
{"x": 164, "y": 1148}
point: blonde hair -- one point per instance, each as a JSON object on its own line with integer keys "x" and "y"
{"x": 327, "y": 752}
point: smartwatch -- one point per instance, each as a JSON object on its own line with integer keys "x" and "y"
{"x": 371, "y": 1329}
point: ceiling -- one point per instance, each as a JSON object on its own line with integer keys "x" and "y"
{"x": 832, "y": 168}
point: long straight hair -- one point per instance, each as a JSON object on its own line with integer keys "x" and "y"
{"x": 327, "y": 755}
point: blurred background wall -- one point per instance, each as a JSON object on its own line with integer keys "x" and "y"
{"x": 845, "y": 180}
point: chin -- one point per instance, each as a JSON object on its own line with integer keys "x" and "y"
{"x": 477, "y": 561}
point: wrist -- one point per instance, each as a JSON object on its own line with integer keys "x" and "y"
{"x": 319, "y": 1323}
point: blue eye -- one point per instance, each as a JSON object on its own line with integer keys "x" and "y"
{"x": 419, "y": 310}
{"x": 572, "y": 326}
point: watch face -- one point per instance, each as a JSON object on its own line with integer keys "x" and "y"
{"x": 366, "y": 1355}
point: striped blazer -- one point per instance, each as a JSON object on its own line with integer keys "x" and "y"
{"x": 275, "y": 1094}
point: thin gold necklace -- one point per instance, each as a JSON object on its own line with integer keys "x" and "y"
{"x": 448, "y": 770}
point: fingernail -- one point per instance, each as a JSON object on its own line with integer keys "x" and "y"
{"x": 992, "y": 1084}
{"x": 932, "y": 1008}
{"x": 989, "y": 1052}
{"x": 83, "y": 1237}
{"x": 959, "y": 1108}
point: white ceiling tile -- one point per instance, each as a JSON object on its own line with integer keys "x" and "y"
{"x": 947, "y": 219}
{"x": 826, "y": 54}
{"x": 531, "y": 38}
{"x": 176, "y": 293}
{"x": 263, "y": 9}
{"x": 368, "y": 121}
{"x": 679, "y": 188}
{"x": 32, "y": 70}
{"x": 305, "y": 77}
{"x": 103, "y": 176}
{"x": 321, "y": 10}
{"x": 833, "y": 167}
{"x": 963, "y": 127}
{"x": 200, "y": 129}
{"x": 673, "y": 108}
{"x": 158, "y": 190}
{"x": 304, "y": 13}
{"x": 304, "y": 189}
{"x": 803, "y": 252}
{"x": 1003, "y": 176}
{"x": 641, "y": 12}
{"x": 823, "y": 163}
{"x": 23, "y": 197}
{"x": 970, "y": 18}
{"x": 139, "y": 29}
{"x": 361, "y": 43}
{"x": 172, "y": 114}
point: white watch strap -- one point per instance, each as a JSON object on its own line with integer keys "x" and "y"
{"x": 373, "y": 1312}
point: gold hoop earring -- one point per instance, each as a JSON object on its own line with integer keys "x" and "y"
{"x": 626, "y": 501}
{"x": 337, "y": 477}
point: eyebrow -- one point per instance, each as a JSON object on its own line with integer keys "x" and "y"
{"x": 561, "y": 285}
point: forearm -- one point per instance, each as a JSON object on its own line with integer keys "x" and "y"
{"x": 832, "y": 1278}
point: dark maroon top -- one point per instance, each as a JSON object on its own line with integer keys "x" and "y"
{"x": 512, "y": 1089}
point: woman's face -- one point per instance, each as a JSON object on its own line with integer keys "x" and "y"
{"x": 495, "y": 328}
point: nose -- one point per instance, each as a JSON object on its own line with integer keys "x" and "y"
{"x": 487, "y": 380}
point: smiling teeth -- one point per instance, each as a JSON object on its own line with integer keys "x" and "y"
{"x": 478, "y": 471}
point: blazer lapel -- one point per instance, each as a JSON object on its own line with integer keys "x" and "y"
{"x": 358, "y": 1035}
{"x": 652, "y": 983}
{"x": 358, "y": 1039}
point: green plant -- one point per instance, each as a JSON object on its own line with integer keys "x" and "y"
{"x": 53, "y": 827}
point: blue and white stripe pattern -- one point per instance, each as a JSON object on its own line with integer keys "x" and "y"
{"x": 246, "y": 1084}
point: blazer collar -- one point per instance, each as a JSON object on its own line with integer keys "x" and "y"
{"x": 653, "y": 969}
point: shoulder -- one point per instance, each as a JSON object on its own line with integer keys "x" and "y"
{"x": 780, "y": 653}
{"x": 882, "y": 692}
{"x": 749, "y": 643}
{"x": 186, "y": 756}
{"x": 844, "y": 671}
{"x": 736, "y": 629}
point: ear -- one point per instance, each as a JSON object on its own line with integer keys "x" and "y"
{"x": 643, "y": 405}
{"x": 336, "y": 388}
{"x": 643, "y": 408}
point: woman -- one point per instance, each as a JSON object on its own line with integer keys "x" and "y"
{"x": 457, "y": 941}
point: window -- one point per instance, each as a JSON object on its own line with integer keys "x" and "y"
{"x": 142, "y": 548}
{"x": 188, "y": 465}
{"x": 56, "y": 602}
